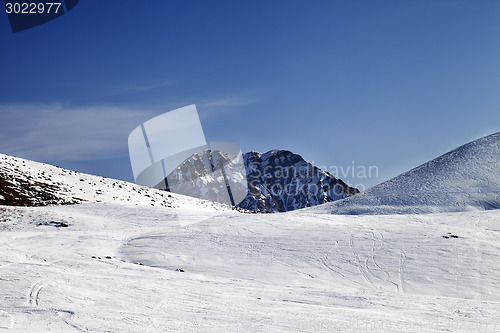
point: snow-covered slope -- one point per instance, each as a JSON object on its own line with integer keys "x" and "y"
{"x": 281, "y": 181}
{"x": 28, "y": 183}
{"x": 126, "y": 268}
{"x": 467, "y": 178}
{"x": 142, "y": 260}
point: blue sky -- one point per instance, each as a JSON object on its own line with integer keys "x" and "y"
{"x": 390, "y": 84}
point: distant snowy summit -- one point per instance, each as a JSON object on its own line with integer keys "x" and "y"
{"x": 467, "y": 178}
{"x": 281, "y": 181}
{"x": 277, "y": 181}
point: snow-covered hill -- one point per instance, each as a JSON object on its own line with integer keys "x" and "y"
{"x": 281, "y": 181}
{"x": 29, "y": 183}
{"x": 467, "y": 178}
{"x": 135, "y": 259}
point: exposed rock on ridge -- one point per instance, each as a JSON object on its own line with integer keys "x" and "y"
{"x": 280, "y": 181}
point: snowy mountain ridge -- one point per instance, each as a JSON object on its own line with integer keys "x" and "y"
{"x": 277, "y": 181}
{"x": 466, "y": 178}
{"x": 281, "y": 181}
{"x": 28, "y": 183}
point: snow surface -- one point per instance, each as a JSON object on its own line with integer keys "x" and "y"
{"x": 143, "y": 261}
{"x": 467, "y": 178}
{"x": 195, "y": 269}
{"x": 192, "y": 269}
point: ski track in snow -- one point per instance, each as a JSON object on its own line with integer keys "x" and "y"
{"x": 51, "y": 317}
{"x": 65, "y": 316}
{"x": 34, "y": 293}
{"x": 401, "y": 286}
{"x": 357, "y": 261}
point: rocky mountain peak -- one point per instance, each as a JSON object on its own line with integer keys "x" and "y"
{"x": 280, "y": 181}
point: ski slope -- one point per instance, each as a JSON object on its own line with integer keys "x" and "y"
{"x": 130, "y": 268}
{"x": 467, "y": 178}
{"x": 134, "y": 259}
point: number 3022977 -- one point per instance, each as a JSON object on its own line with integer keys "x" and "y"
{"x": 32, "y": 7}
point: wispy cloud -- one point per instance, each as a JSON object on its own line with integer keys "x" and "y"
{"x": 138, "y": 87}
{"x": 57, "y": 131}
{"x": 60, "y": 132}
{"x": 224, "y": 104}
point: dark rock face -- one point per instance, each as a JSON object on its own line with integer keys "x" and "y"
{"x": 19, "y": 188}
{"x": 280, "y": 181}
